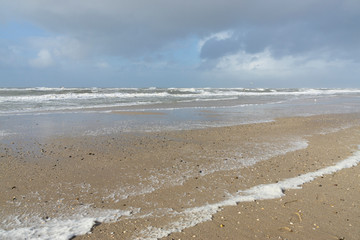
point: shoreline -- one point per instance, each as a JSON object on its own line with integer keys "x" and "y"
{"x": 326, "y": 208}
{"x": 186, "y": 162}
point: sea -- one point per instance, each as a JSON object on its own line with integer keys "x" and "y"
{"x": 16, "y": 101}
{"x": 37, "y": 114}
{"x": 96, "y": 111}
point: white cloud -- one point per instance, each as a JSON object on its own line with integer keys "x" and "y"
{"x": 259, "y": 62}
{"x": 56, "y": 50}
{"x": 60, "y": 46}
{"x": 223, "y": 35}
{"x": 43, "y": 59}
{"x": 286, "y": 71}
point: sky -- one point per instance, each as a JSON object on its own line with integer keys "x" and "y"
{"x": 187, "y": 43}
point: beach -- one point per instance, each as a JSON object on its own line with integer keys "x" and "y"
{"x": 173, "y": 120}
{"x": 267, "y": 180}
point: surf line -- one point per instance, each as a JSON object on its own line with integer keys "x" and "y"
{"x": 193, "y": 216}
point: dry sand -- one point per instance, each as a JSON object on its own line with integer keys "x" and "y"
{"x": 64, "y": 173}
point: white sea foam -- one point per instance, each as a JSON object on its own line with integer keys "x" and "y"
{"x": 76, "y": 96}
{"x": 129, "y": 191}
{"x": 75, "y": 109}
{"x": 4, "y": 133}
{"x": 261, "y": 152}
{"x": 86, "y": 93}
{"x": 334, "y": 130}
{"x": 193, "y": 216}
{"x": 59, "y": 228}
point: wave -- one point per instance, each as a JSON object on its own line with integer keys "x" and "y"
{"x": 42, "y": 98}
{"x": 41, "y": 94}
{"x": 64, "y": 109}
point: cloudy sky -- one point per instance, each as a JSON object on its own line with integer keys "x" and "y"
{"x": 187, "y": 43}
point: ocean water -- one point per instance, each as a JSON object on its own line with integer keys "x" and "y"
{"x": 37, "y": 100}
{"x": 45, "y": 100}
{"x": 90, "y": 111}
{"x": 35, "y": 114}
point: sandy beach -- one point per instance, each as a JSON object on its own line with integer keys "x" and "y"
{"x": 179, "y": 120}
{"x": 184, "y": 184}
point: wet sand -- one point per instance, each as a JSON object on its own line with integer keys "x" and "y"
{"x": 326, "y": 208}
{"x": 138, "y": 113}
{"x": 155, "y": 177}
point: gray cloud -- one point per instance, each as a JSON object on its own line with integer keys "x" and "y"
{"x": 329, "y": 30}
{"x": 135, "y": 28}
